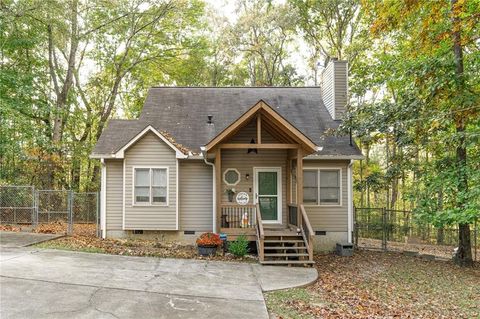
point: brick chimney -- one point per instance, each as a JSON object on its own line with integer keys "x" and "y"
{"x": 334, "y": 87}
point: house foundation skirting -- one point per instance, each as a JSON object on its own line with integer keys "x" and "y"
{"x": 327, "y": 242}
{"x": 162, "y": 235}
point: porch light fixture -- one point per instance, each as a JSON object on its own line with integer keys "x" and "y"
{"x": 252, "y": 150}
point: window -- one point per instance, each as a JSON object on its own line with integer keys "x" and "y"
{"x": 321, "y": 186}
{"x": 151, "y": 185}
{"x": 231, "y": 177}
{"x": 310, "y": 187}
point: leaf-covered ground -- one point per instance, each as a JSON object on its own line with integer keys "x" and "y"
{"x": 134, "y": 247}
{"x": 382, "y": 285}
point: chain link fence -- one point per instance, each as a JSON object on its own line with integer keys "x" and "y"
{"x": 389, "y": 229}
{"x": 49, "y": 210}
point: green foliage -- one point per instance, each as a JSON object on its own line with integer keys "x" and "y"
{"x": 239, "y": 247}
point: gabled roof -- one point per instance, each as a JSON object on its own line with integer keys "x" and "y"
{"x": 262, "y": 108}
{"x": 182, "y": 113}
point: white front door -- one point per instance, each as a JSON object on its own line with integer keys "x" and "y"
{"x": 268, "y": 193}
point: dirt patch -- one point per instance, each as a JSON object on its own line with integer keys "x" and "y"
{"x": 382, "y": 285}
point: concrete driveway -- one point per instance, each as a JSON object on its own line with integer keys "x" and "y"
{"x": 38, "y": 283}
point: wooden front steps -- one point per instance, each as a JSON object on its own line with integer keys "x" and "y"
{"x": 284, "y": 246}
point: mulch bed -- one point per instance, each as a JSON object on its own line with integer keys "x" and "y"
{"x": 136, "y": 247}
{"x": 382, "y": 285}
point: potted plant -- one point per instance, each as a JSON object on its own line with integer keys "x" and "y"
{"x": 230, "y": 192}
{"x": 207, "y": 244}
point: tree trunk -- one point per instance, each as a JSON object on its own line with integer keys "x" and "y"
{"x": 464, "y": 253}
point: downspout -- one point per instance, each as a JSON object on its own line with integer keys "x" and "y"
{"x": 350, "y": 201}
{"x": 103, "y": 199}
{"x": 214, "y": 205}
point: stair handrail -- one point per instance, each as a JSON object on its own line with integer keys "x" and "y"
{"x": 308, "y": 232}
{"x": 259, "y": 222}
{"x": 260, "y": 234}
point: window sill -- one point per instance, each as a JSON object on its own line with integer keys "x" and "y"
{"x": 323, "y": 205}
{"x": 148, "y": 205}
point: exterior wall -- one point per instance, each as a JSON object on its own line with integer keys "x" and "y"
{"x": 329, "y": 218}
{"x": 150, "y": 151}
{"x": 196, "y": 196}
{"x": 335, "y": 88}
{"x": 327, "y": 242}
{"x": 244, "y": 163}
{"x": 114, "y": 192}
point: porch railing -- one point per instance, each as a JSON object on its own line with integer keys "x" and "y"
{"x": 260, "y": 235}
{"x": 297, "y": 217}
{"x": 238, "y": 216}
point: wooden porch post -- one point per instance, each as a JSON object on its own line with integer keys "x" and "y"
{"x": 299, "y": 183}
{"x": 289, "y": 173}
{"x": 218, "y": 183}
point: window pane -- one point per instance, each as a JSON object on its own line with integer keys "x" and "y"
{"x": 330, "y": 195}
{"x": 142, "y": 194}
{"x": 329, "y": 178}
{"x": 142, "y": 177}
{"x": 267, "y": 183}
{"x": 310, "y": 178}
{"x": 159, "y": 194}
{"x": 310, "y": 186}
{"x": 310, "y": 194}
{"x": 159, "y": 177}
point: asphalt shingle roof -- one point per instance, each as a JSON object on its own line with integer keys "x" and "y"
{"x": 182, "y": 113}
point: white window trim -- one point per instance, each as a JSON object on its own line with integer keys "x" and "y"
{"x": 166, "y": 204}
{"x": 318, "y": 169}
{"x": 239, "y": 176}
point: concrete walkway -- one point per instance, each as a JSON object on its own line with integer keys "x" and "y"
{"x": 23, "y": 239}
{"x": 37, "y": 283}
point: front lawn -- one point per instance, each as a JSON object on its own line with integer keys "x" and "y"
{"x": 382, "y": 285}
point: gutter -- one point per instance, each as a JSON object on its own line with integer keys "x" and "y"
{"x": 350, "y": 201}
{"x": 214, "y": 197}
{"x": 103, "y": 199}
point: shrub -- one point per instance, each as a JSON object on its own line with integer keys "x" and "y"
{"x": 209, "y": 240}
{"x": 239, "y": 247}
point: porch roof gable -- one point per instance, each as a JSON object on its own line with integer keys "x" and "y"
{"x": 261, "y": 107}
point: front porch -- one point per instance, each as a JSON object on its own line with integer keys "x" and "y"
{"x": 259, "y": 161}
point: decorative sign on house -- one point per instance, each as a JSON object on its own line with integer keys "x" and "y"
{"x": 242, "y": 198}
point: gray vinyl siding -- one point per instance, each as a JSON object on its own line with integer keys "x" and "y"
{"x": 334, "y": 88}
{"x": 196, "y": 196}
{"x": 341, "y": 89}
{"x": 329, "y": 218}
{"x": 245, "y": 163}
{"x": 150, "y": 151}
{"x": 114, "y": 193}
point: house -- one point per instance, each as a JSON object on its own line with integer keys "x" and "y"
{"x": 256, "y": 161}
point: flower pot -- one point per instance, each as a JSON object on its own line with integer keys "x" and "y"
{"x": 207, "y": 250}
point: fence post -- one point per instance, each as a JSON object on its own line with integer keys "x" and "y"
{"x": 384, "y": 228}
{"x": 70, "y": 212}
{"x": 475, "y": 235}
{"x": 355, "y": 227}
{"x": 97, "y": 220}
{"x": 37, "y": 204}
